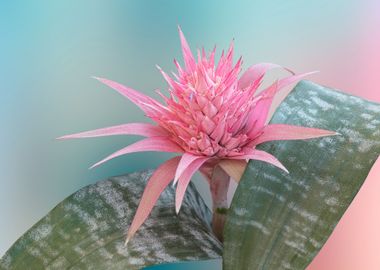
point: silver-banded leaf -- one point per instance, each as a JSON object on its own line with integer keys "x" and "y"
{"x": 87, "y": 231}
{"x": 280, "y": 221}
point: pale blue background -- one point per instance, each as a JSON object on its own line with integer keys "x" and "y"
{"x": 49, "y": 50}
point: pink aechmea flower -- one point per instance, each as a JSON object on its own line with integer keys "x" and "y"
{"x": 211, "y": 117}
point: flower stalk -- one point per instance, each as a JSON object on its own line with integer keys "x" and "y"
{"x": 219, "y": 185}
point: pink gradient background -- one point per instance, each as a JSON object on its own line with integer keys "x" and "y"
{"x": 355, "y": 243}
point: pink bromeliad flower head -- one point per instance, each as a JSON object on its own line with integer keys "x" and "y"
{"x": 212, "y": 116}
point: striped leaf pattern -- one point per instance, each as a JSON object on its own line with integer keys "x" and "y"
{"x": 87, "y": 231}
{"x": 281, "y": 221}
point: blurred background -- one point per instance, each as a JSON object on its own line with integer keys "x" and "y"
{"x": 50, "y": 49}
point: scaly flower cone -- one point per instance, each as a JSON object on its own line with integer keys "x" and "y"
{"x": 213, "y": 118}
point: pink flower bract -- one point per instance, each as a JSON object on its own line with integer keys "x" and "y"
{"x": 211, "y": 115}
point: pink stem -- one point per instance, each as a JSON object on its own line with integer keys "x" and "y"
{"x": 219, "y": 184}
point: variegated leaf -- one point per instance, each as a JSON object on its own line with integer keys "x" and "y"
{"x": 87, "y": 231}
{"x": 281, "y": 221}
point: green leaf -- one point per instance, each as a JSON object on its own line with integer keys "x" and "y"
{"x": 280, "y": 221}
{"x": 87, "y": 231}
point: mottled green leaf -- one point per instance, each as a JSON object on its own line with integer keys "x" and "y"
{"x": 87, "y": 231}
{"x": 279, "y": 221}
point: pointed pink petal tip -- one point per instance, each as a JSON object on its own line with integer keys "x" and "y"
{"x": 140, "y": 129}
{"x": 184, "y": 163}
{"x": 155, "y": 186}
{"x": 284, "y": 169}
{"x": 263, "y": 156}
{"x": 257, "y": 71}
{"x": 179, "y": 28}
{"x": 126, "y": 241}
{"x": 187, "y": 54}
{"x": 153, "y": 144}
{"x": 185, "y": 180}
{"x": 311, "y": 72}
{"x": 278, "y": 132}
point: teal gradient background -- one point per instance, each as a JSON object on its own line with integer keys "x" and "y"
{"x": 50, "y": 49}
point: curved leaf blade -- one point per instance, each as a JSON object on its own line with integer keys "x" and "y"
{"x": 87, "y": 230}
{"x": 280, "y": 221}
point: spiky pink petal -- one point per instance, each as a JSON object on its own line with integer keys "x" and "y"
{"x": 271, "y": 92}
{"x": 145, "y": 103}
{"x": 184, "y": 163}
{"x": 185, "y": 179}
{"x": 259, "y": 114}
{"x": 276, "y": 132}
{"x": 141, "y": 129}
{"x": 159, "y": 180}
{"x": 262, "y": 156}
{"x": 156, "y": 144}
{"x": 256, "y": 72}
{"x": 293, "y": 79}
{"x": 167, "y": 78}
{"x": 187, "y": 55}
